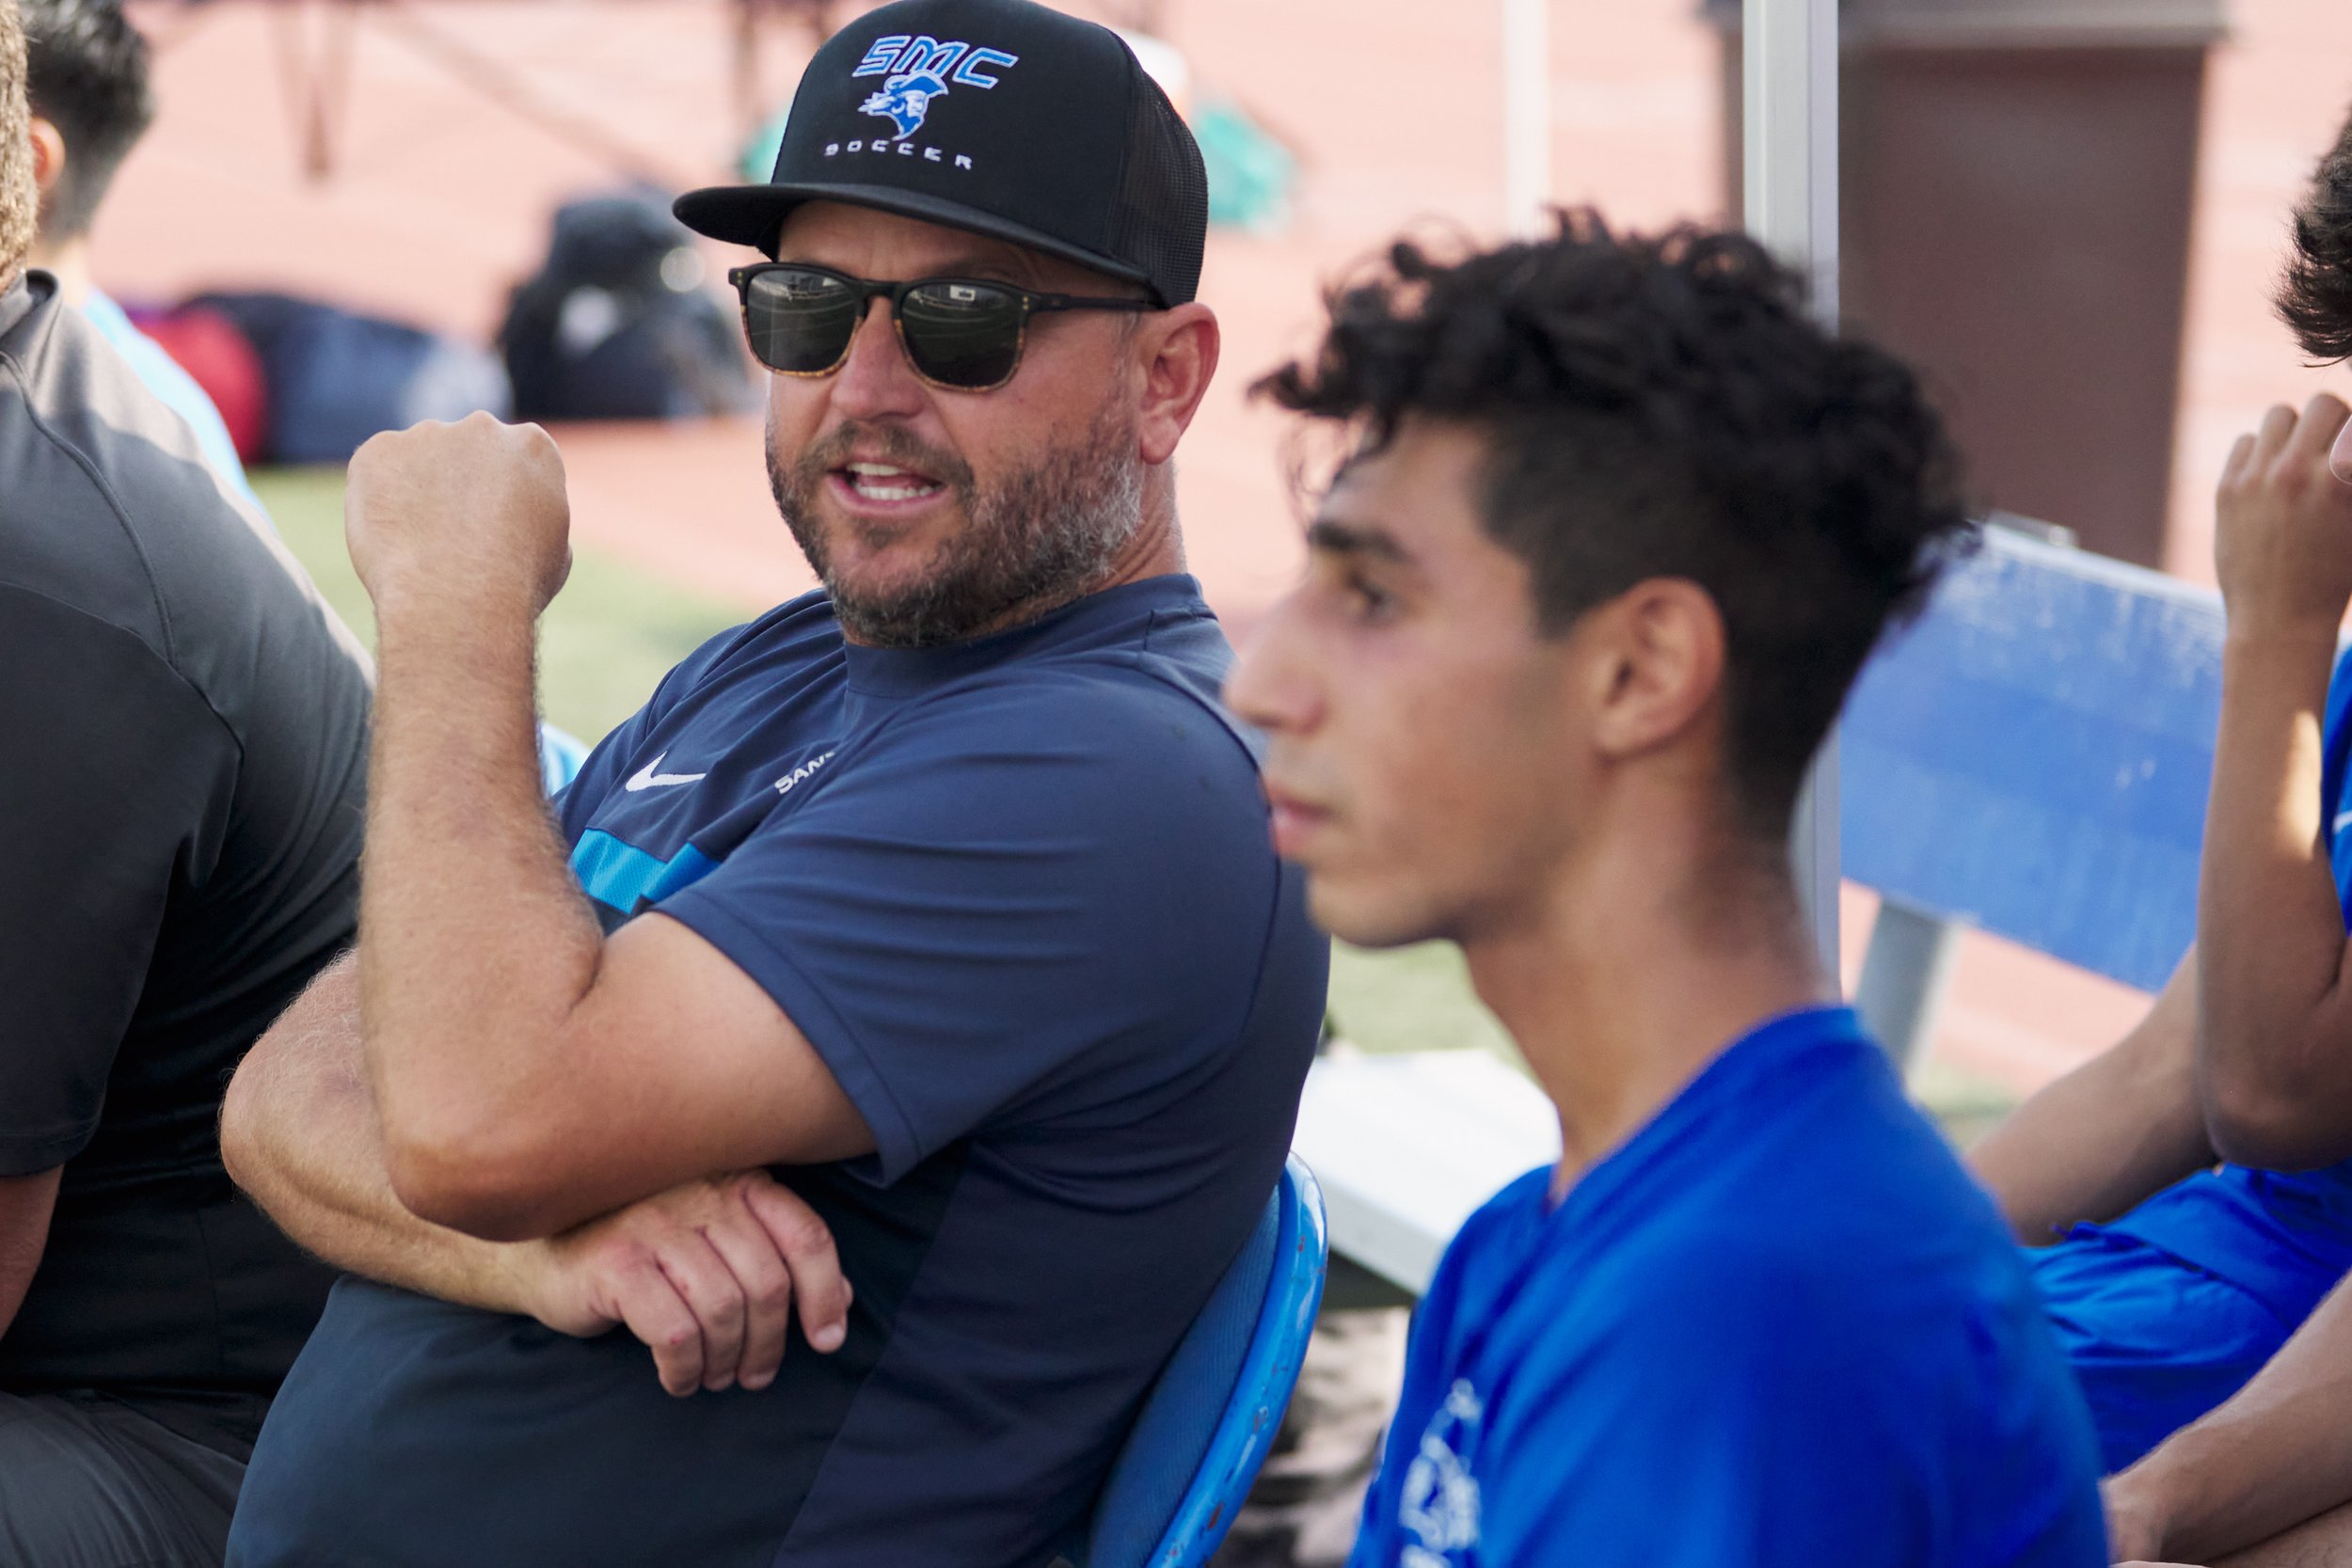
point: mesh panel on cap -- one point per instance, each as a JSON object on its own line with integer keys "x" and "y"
{"x": 1163, "y": 215}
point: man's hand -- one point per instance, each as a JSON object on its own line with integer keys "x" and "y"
{"x": 2282, "y": 543}
{"x": 708, "y": 1274}
{"x": 472, "y": 513}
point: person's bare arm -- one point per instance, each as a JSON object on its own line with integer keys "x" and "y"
{"x": 706, "y": 1274}
{"x": 2275, "y": 1454}
{"x": 26, "y": 1205}
{"x": 2274, "y": 1055}
{"x": 2321, "y": 1543}
{"x": 528, "y": 1071}
{"x": 2121, "y": 1127}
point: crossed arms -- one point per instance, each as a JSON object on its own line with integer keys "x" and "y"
{"x": 472, "y": 1103}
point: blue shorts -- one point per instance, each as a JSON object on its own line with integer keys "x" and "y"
{"x": 2154, "y": 1341}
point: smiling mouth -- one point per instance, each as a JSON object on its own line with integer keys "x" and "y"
{"x": 886, "y": 484}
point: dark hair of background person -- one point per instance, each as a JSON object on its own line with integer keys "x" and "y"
{"x": 17, "y": 197}
{"x": 1663, "y": 407}
{"x": 87, "y": 75}
{"x": 2315, "y": 296}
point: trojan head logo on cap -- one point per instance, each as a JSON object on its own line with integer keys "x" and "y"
{"x": 905, "y": 100}
{"x": 914, "y": 71}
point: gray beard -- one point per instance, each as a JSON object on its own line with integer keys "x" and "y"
{"x": 1036, "y": 539}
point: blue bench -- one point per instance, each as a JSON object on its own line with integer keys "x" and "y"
{"x": 2030, "y": 758}
{"x": 1210, "y": 1416}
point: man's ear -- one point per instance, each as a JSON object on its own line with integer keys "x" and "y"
{"x": 1658, "y": 651}
{"x": 48, "y": 157}
{"x": 1178, "y": 351}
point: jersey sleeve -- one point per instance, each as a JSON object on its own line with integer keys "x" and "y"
{"x": 117, "y": 788}
{"x": 1032, "y": 902}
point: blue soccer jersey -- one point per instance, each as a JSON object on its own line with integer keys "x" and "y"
{"x": 1019, "y": 895}
{"x": 1778, "y": 1328}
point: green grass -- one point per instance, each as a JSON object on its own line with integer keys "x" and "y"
{"x": 1416, "y": 998}
{"x": 615, "y": 630}
{"x": 611, "y": 635}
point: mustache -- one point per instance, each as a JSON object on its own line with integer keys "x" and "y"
{"x": 890, "y": 443}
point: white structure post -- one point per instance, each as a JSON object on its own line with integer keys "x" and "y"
{"x": 1525, "y": 113}
{"x": 1790, "y": 143}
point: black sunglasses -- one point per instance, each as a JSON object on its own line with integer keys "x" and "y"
{"x": 961, "y": 332}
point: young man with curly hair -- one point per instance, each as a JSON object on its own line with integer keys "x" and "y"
{"x": 1619, "y": 525}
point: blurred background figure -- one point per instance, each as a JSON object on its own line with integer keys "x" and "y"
{"x": 616, "y": 325}
{"x": 91, "y": 102}
{"x": 179, "y": 815}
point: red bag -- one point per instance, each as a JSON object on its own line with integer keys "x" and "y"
{"x": 207, "y": 346}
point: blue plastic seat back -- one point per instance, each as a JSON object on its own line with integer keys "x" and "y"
{"x": 2033, "y": 756}
{"x": 1211, "y": 1417}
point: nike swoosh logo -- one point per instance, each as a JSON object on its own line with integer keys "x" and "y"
{"x": 2344, "y": 820}
{"x": 645, "y": 778}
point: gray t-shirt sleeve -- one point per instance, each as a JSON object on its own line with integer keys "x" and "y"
{"x": 116, "y": 789}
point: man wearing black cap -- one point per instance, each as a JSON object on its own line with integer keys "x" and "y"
{"x": 943, "y": 896}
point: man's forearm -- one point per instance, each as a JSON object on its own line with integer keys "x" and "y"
{"x": 2277, "y": 1453}
{"x": 26, "y": 1203}
{"x": 299, "y": 1132}
{"x": 2124, "y": 1125}
{"x": 2271, "y": 940}
{"x": 478, "y": 942}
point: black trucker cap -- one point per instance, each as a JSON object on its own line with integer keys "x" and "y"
{"x": 999, "y": 117}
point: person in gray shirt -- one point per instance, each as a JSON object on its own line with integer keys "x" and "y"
{"x": 183, "y": 750}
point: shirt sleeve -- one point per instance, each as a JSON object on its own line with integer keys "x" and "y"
{"x": 1026, "y": 902}
{"x": 116, "y": 789}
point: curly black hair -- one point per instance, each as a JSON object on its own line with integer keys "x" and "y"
{"x": 2315, "y": 296}
{"x": 88, "y": 76}
{"x": 1663, "y": 407}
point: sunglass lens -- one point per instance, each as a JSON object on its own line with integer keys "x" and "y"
{"x": 962, "y": 334}
{"x": 800, "y": 322}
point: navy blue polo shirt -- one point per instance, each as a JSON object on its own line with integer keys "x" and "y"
{"x": 1018, "y": 893}
{"x": 1778, "y": 1327}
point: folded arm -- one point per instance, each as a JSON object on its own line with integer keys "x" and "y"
{"x": 528, "y": 1071}
{"x": 706, "y": 1274}
{"x": 2273, "y": 1057}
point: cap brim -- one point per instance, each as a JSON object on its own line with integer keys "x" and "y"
{"x": 752, "y": 215}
